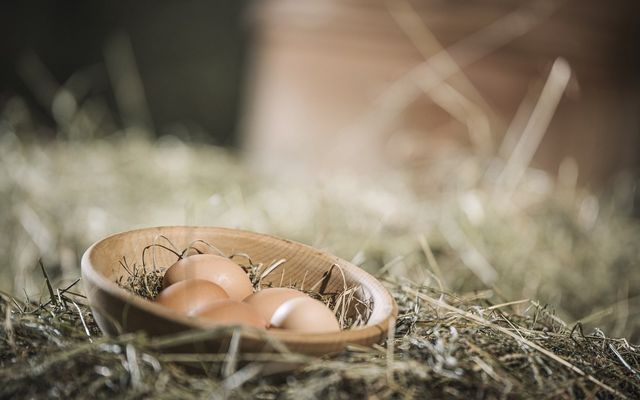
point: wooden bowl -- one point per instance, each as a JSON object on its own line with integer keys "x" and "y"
{"x": 117, "y": 310}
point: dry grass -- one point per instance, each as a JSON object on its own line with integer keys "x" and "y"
{"x": 552, "y": 243}
{"x": 443, "y": 345}
{"x": 557, "y": 244}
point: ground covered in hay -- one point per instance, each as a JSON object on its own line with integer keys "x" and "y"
{"x": 517, "y": 294}
{"x": 442, "y": 346}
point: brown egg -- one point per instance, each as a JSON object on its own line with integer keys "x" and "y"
{"x": 304, "y": 314}
{"x": 268, "y": 300}
{"x": 217, "y": 269}
{"x": 231, "y": 312}
{"x": 191, "y": 294}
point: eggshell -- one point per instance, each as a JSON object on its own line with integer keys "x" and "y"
{"x": 231, "y": 312}
{"x": 268, "y": 300}
{"x": 191, "y": 294}
{"x": 304, "y": 314}
{"x": 217, "y": 269}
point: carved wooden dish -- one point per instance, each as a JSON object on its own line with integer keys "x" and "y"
{"x": 117, "y": 310}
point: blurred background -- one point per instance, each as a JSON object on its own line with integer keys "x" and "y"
{"x": 484, "y": 147}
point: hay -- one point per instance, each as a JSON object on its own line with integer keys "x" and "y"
{"x": 472, "y": 271}
{"x": 442, "y": 346}
{"x": 551, "y": 242}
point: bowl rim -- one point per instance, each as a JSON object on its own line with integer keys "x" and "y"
{"x": 389, "y": 312}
